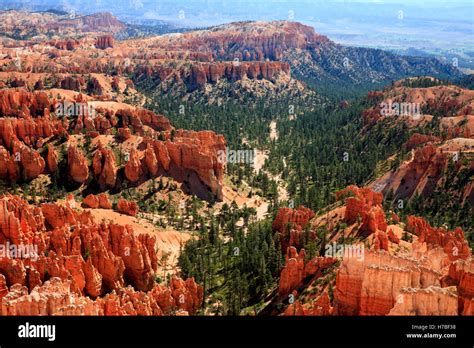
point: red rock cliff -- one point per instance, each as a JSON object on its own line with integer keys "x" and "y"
{"x": 290, "y": 224}
{"x": 79, "y": 262}
{"x": 364, "y": 205}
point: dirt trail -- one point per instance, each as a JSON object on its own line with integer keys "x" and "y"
{"x": 260, "y": 158}
{"x": 260, "y": 204}
{"x": 273, "y": 131}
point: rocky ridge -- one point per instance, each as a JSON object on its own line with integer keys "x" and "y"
{"x": 188, "y": 156}
{"x": 432, "y": 275}
{"x": 81, "y": 267}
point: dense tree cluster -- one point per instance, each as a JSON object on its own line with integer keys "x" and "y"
{"x": 237, "y": 266}
{"x": 320, "y": 149}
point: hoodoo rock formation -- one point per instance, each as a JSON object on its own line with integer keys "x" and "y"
{"x": 461, "y": 275}
{"x": 453, "y": 243}
{"x": 430, "y": 301}
{"x": 91, "y": 201}
{"x": 430, "y": 275}
{"x": 104, "y": 42}
{"x": 55, "y": 297}
{"x": 444, "y": 100}
{"x": 189, "y": 157}
{"x": 203, "y": 73}
{"x": 256, "y": 41}
{"x": 104, "y": 168}
{"x": 192, "y": 157}
{"x": 406, "y": 284}
{"x": 365, "y": 205}
{"x": 45, "y": 23}
{"x": 289, "y": 223}
{"x": 72, "y": 83}
{"x": 133, "y": 168}
{"x": 372, "y": 287}
{"x": 78, "y": 166}
{"x": 297, "y": 269}
{"x": 19, "y": 102}
{"x": 321, "y": 306}
{"x": 104, "y": 202}
{"x": 127, "y": 207}
{"x": 52, "y": 159}
{"x": 68, "y": 44}
{"x": 81, "y": 267}
{"x": 32, "y": 164}
{"x": 100, "y": 201}
{"x": 288, "y": 218}
{"x": 73, "y": 126}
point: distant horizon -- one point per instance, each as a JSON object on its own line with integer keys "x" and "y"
{"x": 432, "y": 27}
{"x": 437, "y": 28}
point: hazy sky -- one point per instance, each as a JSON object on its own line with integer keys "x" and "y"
{"x": 379, "y": 23}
